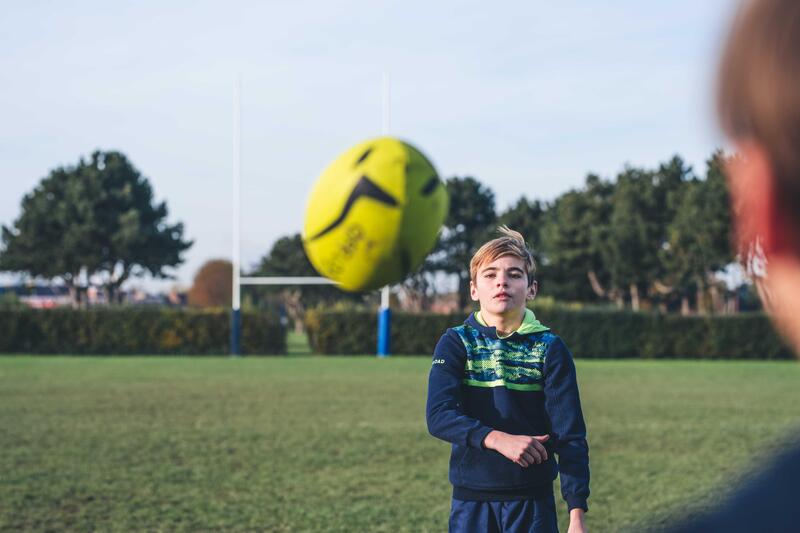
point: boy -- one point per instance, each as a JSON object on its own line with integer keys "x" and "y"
{"x": 502, "y": 390}
{"x": 759, "y": 108}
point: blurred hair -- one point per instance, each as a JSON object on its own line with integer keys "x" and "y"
{"x": 511, "y": 243}
{"x": 758, "y": 89}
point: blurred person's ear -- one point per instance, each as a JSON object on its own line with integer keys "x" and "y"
{"x": 754, "y": 200}
{"x": 761, "y": 218}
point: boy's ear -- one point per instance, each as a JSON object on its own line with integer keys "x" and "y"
{"x": 473, "y": 291}
{"x": 533, "y": 289}
{"x": 754, "y": 199}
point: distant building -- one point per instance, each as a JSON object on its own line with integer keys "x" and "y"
{"x": 445, "y": 303}
{"x": 415, "y": 302}
{"x": 171, "y": 299}
{"x": 52, "y": 296}
{"x": 39, "y": 296}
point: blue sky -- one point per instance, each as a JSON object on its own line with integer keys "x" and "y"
{"x": 528, "y": 97}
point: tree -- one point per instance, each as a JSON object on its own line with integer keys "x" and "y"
{"x": 668, "y": 182}
{"x": 97, "y": 219}
{"x": 51, "y": 237}
{"x": 212, "y": 285}
{"x": 634, "y": 233}
{"x": 679, "y": 253}
{"x": 574, "y": 234}
{"x": 131, "y": 233}
{"x": 699, "y": 235}
{"x": 718, "y": 229}
{"x": 469, "y": 222}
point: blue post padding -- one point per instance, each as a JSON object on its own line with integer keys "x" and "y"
{"x": 236, "y": 329}
{"x": 384, "y": 330}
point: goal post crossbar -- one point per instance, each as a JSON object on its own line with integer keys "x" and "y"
{"x": 285, "y": 280}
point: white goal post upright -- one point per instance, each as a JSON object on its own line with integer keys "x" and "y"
{"x": 385, "y": 312}
{"x": 236, "y": 317}
{"x": 239, "y": 280}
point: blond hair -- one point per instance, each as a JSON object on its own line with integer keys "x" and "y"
{"x": 758, "y": 93}
{"x": 511, "y": 243}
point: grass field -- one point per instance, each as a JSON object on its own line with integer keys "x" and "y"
{"x": 339, "y": 444}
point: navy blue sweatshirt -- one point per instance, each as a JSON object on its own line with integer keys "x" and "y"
{"x": 523, "y": 384}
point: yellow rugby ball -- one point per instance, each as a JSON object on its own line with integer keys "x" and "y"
{"x": 374, "y": 214}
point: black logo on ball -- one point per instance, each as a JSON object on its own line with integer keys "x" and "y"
{"x": 365, "y": 188}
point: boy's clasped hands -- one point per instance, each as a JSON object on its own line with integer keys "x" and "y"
{"x": 521, "y": 449}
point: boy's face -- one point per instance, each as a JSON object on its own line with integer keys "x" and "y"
{"x": 502, "y": 286}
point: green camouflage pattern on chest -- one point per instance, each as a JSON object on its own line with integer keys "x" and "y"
{"x": 515, "y": 364}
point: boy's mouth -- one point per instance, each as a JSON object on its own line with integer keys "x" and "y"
{"x": 502, "y": 296}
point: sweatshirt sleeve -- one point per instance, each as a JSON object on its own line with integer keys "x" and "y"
{"x": 563, "y": 405}
{"x": 444, "y": 412}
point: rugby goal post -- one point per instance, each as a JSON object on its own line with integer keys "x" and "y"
{"x": 383, "y": 348}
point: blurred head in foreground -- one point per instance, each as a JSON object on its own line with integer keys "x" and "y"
{"x": 759, "y": 109}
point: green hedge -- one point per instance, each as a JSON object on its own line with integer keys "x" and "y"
{"x": 355, "y": 332}
{"x": 126, "y": 331}
{"x": 588, "y": 334}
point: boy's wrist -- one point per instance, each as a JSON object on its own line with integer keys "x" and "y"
{"x": 577, "y": 515}
{"x": 576, "y": 522}
{"x": 490, "y": 441}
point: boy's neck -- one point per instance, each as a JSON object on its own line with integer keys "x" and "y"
{"x": 505, "y": 324}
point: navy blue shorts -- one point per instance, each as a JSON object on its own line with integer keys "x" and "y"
{"x": 518, "y": 516}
